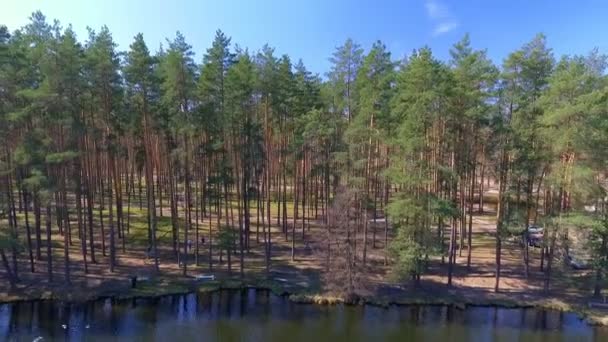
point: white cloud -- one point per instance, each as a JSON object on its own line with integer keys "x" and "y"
{"x": 441, "y": 17}
{"x": 446, "y": 27}
{"x": 436, "y": 10}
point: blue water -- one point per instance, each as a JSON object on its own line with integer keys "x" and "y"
{"x": 256, "y": 315}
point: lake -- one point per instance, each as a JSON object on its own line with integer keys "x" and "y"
{"x": 258, "y": 315}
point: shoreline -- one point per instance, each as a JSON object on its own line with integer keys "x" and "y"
{"x": 151, "y": 289}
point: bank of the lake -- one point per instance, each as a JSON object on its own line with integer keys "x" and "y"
{"x": 260, "y": 315}
{"x": 160, "y": 287}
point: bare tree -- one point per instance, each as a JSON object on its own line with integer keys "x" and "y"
{"x": 342, "y": 273}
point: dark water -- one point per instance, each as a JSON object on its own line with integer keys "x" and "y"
{"x": 254, "y": 315}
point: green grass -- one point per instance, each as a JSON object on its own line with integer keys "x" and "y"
{"x": 138, "y": 232}
{"x": 157, "y": 287}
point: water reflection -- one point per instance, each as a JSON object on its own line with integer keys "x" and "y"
{"x": 252, "y": 315}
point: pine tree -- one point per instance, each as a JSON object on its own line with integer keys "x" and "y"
{"x": 240, "y": 82}
{"x": 139, "y": 74}
{"x": 346, "y": 61}
{"x": 106, "y": 94}
{"x": 374, "y": 86}
{"x": 525, "y": 74}
{"x": 424, "y": 169}
{"x": 211, "y": 96}
{"x": 474, "y": 83}
{"x": 178, "y": 93}
{"x": 573, "y": 99}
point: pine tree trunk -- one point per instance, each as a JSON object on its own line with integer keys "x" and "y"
{"x": 81, "y": 228}
{"x": 37, "y": 222}
{"x": 112, "y": 174}
{"x": 239, "y": 182}
{"x": 481, "y": 183}
{"x": 49, "y": 243}
{"x": 386, "y": 195}
{"x": 269, "y": 232}
{"x": 90, "y": 205}
{"x": 295, "y": 215}
{"x": 303, "y": 194}
{"x": 151, "y": 207}
{"x": 196, "y": 217}
{"x": 187, "y": 211}
{"x": 7, "y": 267}
{"x": 66, "y": 241}
{"x": 174, "y": 214}
{"x": 284, "y": 199}
{"x": 119, "y": 207}
{"x": 597, "y": 287}
{"x": 463, "y": 216}
{"x": 529, "y": 194}
{"x": 12, "y": 222}
{"x": 26, "y": 205}
{"x": 98, "y": 166}
{"x": 551, "y": 249}
{"x": 89, "y": 199}
{"x": 451, "y": 251}
{"x": 470, "y": 234}
{"x": 259, "y": 212}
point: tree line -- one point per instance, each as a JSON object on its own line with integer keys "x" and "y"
{"x": 379, "y": 153}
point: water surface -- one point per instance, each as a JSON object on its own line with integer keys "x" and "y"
{"x": 256, "y": 315}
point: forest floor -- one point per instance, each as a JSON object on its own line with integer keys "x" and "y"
{"x": 570, "y": 289}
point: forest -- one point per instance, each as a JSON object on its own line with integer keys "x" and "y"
{"x": 243, "y": 162}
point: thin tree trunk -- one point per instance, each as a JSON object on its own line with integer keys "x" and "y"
{"x": 551, "y": 248}
{"x": 90, "y": 205}
{"x": 7, "y": 267}
{"x": 28, "y": 231}
{"x": 12, "y": 222}
{"x": 81, "y": 228}
{"x": 66, "y": 241}
{"x": 481, "y": 183}
{"x": 187, "y": 205}
{"x": 111, "y": 173}
{"x": 597, "y": 287}
{"x": 303, "y": 194}
{"x": 49, "y": 243}
{"x": 37, "y": 223}
{"x": 470, "y": 234}
{"x": 295, "y": 215}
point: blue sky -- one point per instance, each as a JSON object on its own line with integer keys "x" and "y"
{"x": 312, "y": 29}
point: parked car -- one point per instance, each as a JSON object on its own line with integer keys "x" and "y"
{"x": 535, "y": 242}
{"x": 535, "y": 230}
{"x": 576, "y": 261}
{"x": 535, "y": 235}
